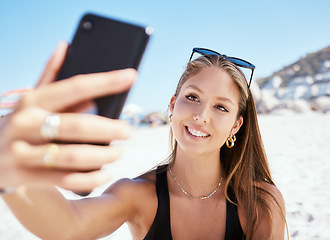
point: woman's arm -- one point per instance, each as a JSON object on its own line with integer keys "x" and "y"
{"x": 47, "y": 214}
{"x": 43, "y": 211}
{"x": 22, "y": 151}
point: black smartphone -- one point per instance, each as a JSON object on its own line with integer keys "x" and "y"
{"x": 102, "y": 44}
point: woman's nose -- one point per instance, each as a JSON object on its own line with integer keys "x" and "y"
{"x": 201, "y": 115}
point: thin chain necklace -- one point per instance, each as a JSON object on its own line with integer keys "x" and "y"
{"x": 190, "y": 195}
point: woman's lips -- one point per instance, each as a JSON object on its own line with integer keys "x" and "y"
{"x": 197, "y": 133}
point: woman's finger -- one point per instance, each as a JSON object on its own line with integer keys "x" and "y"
{"x": 75, "y": 157}
{"x": 90, "y": 128}
{"x": 63, "y": 94}
{"x": 27, "y": 124}
{"x": 70, "y": 180}
{"x": 88, "y": 106}
{"x": 80, "y": 182}
{"x": 54, "y": 64}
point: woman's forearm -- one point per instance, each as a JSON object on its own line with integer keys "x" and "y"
{"x": 43, "y": 211}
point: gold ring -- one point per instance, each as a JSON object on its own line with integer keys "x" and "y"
{"x": 51, "y": 155}
{"x": 49, "y": 128}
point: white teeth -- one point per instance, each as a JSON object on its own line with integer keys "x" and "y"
{"x": 197, "y": 133}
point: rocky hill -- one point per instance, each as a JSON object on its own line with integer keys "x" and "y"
{"x": 299, "y": 87}
{"x": 310, "y": 65}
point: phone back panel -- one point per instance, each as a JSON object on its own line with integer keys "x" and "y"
{"x": 100, "y": 45}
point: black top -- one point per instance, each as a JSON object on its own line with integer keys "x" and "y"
{"x": 161, "y": 227}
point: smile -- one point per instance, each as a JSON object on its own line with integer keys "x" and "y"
{"x": 197, "y": 133}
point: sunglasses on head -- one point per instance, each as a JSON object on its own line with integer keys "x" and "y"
{"x": 237, "y": 61}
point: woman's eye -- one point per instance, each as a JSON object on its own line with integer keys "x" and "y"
{"x": 221, "y": 108}
{"x": 191, "y": 97}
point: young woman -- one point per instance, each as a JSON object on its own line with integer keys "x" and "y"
{"x": 216, "y": 185}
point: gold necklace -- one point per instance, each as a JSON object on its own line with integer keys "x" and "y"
{"x": 190, "y": 195}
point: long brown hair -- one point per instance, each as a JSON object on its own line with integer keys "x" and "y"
{"x": 246, "y": 164}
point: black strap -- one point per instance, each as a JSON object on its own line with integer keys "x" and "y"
{"x": 161, "y": 227}
{"x": 233, "y": 226}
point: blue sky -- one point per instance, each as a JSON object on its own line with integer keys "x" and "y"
{"x": 270, "y": 34}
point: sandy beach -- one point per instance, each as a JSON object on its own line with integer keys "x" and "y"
{"x": 298, "y": 148}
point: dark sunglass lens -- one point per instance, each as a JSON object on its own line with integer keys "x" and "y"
{"x": 205, "y": 51}
{"x": 242, "y": 63}
{"x": 238, "y": 62}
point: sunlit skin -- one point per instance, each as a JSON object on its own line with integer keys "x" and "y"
{"x": 211, "y": 97}
{"x": 204, "y": 116}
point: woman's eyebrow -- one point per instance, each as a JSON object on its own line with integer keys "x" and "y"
{"x": 195, "y": 87}
{"x": 225, "y": 100}
{"x": 218, "y": 98}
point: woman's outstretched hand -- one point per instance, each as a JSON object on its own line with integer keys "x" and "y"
{"x": 27, "y": 155}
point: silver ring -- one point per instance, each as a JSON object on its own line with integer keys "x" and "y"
{"x": 51, "y": 155}
{"x": 49, "y": 129}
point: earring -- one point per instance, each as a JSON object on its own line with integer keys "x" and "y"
{"x": 170, "y": 118}
{"x": 231, "y": 141}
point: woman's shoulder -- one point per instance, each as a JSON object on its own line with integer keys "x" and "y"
{"x": 139, "y": 196}
{"x": 133, "y": 188}
{"x": 138, "y": 193}
{"x": 273, "y": 196}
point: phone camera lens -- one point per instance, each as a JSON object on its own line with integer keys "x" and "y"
{"x": 149, "y": 30}
{"x": 87, "y": 25}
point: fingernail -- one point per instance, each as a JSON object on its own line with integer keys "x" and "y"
{"x": 61, "y": 45}
{"x": 130, "y": 74}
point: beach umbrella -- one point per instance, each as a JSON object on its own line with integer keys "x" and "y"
{"x": 132, "y": 109}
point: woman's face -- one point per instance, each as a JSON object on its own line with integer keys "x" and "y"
{"x": 205, "y": 112}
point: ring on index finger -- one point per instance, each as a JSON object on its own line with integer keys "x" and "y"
{"x": 49, "y": 128}
{"x": 51, "y": 155}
